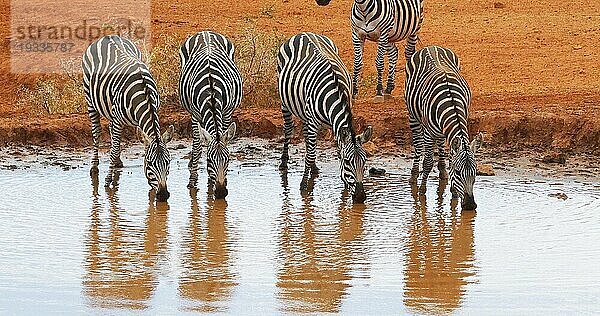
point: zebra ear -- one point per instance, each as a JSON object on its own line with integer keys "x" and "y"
{"x": 168, "y": 134}
{"x": 204, "y": 135}
{"x": 229, "y": 133}
{"x": 477, "y": 142}
{"x": 366, "y": 135}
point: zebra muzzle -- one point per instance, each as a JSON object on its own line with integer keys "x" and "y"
{"x": 359, "y": 195}
{"x": 162, "y": 195}
{"x": 220, "y": 191}
{"x": 468, "y": 203}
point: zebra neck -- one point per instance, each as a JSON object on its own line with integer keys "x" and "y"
{"x": 147, "y": 121}
{"x": 152, "y": 131}
{"x": 343, "y": 121}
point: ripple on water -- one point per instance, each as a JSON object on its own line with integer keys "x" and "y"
{"x": 271, "y": 248}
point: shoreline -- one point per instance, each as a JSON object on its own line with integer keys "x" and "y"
{"x": 529, "y": 166}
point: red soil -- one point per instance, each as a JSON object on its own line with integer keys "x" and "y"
{"x": 532, "y": 68}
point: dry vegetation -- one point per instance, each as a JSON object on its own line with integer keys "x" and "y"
{"x": 55, "y": 94}
{"x": 164, "y": 64}
{"x": 256, "y": 53}
{"x": 257, "y": 60}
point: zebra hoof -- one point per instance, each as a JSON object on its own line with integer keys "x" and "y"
{"x": 387, "y": 96}
{"x": 314, "y": 170}
{"x": 303, "y": 188}
{"x": 94, "y": 171}
{"x": 192, "y": 185}
{"x": 118, "y": 164}
{"x": 378, "y": 99}
{"x": 443, "y": 175}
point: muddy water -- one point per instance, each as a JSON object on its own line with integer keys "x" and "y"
{"x": 68, "y": 246}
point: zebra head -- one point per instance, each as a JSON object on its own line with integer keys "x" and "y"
{"x": 156, "y": 163}
{"x": 323, "y": 2}
{"x": 463, "y": 169}
{"x": 353, "y": 158}
{"x": 217, "y": 158}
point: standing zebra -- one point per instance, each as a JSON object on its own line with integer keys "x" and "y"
{"x": 119, "y": 87}
{"x": 210, "y": 88}
{"x": 315, "y": 86}
{"x": 385, "y": 22}
{"x": 438, "y": 97}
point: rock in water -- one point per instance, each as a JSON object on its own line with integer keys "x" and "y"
{"x": 376, "y": 171}
{"x": 559, "y": 158}
{"x": 485, "y": 170}
{"x": 560, "y": 196}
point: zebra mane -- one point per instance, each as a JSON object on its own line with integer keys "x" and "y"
{"x": 212, "y": 105}
{"x": 154, "y": 111}
{"x": 344, "y": 97}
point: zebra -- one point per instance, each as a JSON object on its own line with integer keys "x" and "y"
{"x": 437, "y": 98}
{"x": 385, "y": 22}
{"x": 210, "y": 88}
{"x": 314, "y": 85}
{"x": 119, "y": 87}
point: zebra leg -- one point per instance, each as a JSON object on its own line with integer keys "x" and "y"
{"x": 310, "y": 168}
{"x": 96, "y": 129}
{"x": 119, "y": 162}
{"x": 381, "y": 48}
{"x": 442, "y": 159}
{"x": 194, "y": 155}
{"x": 393, "y": 60}
{"x": 417, "y": 141}
{"x": 288, "y": 129}
{"x": 358, "y": 44}
{"x": 411, "y": 43}
{"x": 428, "y": 143}
{"x": 115, "y": 151}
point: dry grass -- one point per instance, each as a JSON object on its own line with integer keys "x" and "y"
{"x": 56, "y": 93}
{"x": 256, "y": 57}
{"x": 165, "y": 66}
{"x": 257, "y": 60}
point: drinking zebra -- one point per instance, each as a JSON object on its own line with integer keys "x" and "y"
{"x": 385, "y": 22}
{"x": 210, "y": 88}
{"x": 315, "y": 86}
{"x": 438, "y": 97}
{"x": 119, "y": 87}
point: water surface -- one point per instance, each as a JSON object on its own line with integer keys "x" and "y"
{"x": 69, "y": 246}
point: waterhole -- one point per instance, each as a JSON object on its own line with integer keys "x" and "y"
{"x": 68, "y": 245}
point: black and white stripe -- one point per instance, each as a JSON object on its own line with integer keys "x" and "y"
{"x": 119, "y": 87}
{"x": 210, "y": 88}
{"x": 384, "y": 22}
{"x": 314, "y": 85}
{"x": 438, "y": 98}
